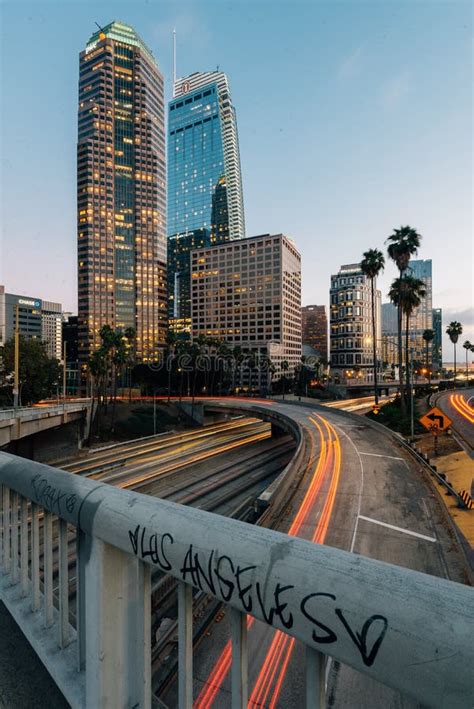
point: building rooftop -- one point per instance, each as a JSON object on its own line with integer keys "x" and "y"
{"x": 120, "y": 32}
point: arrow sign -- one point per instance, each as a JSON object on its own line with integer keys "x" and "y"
{"x": 435, "y": 420}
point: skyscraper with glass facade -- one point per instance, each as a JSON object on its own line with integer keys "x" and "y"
{"x": 437, "y": 344}
{"x": 422, "y": 317}
{"x": 205, "y": 204}
{"x": 121, "y": 192}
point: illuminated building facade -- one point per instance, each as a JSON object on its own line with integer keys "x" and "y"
{"x": 422, "y": 317}
{"x": 205, "y": 203}
{"x": 37, "y": 319}
{"x": 437, "y": 343}
{"x": 248, "y": 293}
{"x": 121, "y": 192}
{"x": 351, "y": 323}
{"x": 314, "y": 323}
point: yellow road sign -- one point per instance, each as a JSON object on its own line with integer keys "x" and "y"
{"x": 435, "y": 420}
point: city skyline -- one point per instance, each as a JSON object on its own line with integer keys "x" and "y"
{"x": 352, "y": 207}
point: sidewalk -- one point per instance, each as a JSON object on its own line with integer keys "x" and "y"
{"x": 458, "y": 467}
{"x": 24, "y": 681}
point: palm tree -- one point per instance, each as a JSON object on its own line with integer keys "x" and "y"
{"x": 406, "y": 293}
{"x": 371, "y": 265}
{"x": 468, "y": 347}
{"x": 428, "y": 336}
{"x": 284, "y": 368}
{"x": 402, "y": 244}
{"x": 454, "y": 329}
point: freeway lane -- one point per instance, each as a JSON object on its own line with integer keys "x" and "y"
{"x": 459, "y": 406}
{"x": 361, "y": 493}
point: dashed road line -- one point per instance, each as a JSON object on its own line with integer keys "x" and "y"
{"x": 398, "y": 529}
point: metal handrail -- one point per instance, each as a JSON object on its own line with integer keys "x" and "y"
{"x": 408, "y": 630}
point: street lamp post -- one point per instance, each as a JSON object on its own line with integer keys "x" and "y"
{"x": 412, "y": 412}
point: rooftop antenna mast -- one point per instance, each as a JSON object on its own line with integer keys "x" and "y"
{"x": 174, "y": 61}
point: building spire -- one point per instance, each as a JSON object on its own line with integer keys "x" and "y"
{"x": 174, "y": 61}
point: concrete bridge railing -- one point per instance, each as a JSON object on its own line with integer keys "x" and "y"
{"x": 76, "y": 558}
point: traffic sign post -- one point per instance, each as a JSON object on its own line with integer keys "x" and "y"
{"x": 436, "y": 422}
{"x": 435, "y": 419}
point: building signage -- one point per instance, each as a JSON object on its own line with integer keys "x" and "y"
{"x": 32, "y": 303}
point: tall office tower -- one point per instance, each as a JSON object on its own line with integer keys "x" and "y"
{"x": 437, "y": 343}
{"x": 422, "y": 317}
{"x": 314, "y": 325}
{"x": 248, "y": 293}
{"x": 205, "y": 203}
{"x": 351, "y": 323}
{"x": 121, "y": 192}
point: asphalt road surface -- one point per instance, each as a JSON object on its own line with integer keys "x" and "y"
{"x": 459, "y": 406}
{"x": 361, "y": 492}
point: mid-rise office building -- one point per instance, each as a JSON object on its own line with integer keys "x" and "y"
{"x": 121, "y": 192}
{"x": 422, "y": 317}
{"x": 51, "y": 328}
{"x": 205, "y": 202}
{"x": 70, "y": 348}
{"x": 248, "y": 293}
{"x": 351, "y": 323}
{"x": 389, "y": 345}
{"x": 437, "y": 342}
{"x": 36, "y": 319}
{"x": 314, "y": 324}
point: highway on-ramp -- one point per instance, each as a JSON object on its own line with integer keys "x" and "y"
{"x": 459, "y": 406}
{"x": 362, "y": 492}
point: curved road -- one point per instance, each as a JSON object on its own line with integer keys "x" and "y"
{"x": 361, "y": 492}
{"x": 459, "y": 406}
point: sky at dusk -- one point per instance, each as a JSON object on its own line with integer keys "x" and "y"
{"x": 353, "y": 118}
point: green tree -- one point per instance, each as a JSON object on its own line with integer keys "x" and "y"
{"x": 403, "y": 243}
{"x": 454, "y": 330}
{"x": 407, "y": 293}
{"x": 39, "y": 374}
{"x": 372, "y": 265}
{"x": 428, "y": 336}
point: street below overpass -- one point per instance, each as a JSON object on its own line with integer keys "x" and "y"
{"x": 459, "y": 406}
{"x": 362, "y": 492}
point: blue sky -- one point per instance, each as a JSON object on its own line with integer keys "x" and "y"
{"x": 354, "y": 117}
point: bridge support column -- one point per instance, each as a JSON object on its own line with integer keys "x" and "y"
{"x": 117, "y": 629}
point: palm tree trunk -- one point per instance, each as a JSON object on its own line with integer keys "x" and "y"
{"x": 454, "y": 346}
{"x": 407, "y": 355}
{"x": 374, "y": 343}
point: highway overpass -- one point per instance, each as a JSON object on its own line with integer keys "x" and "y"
{"x": 348, "y": 501}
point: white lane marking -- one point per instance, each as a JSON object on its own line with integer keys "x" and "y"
{"x": 398, "y": 529}
{"x": 361, "y": 488}
{"x": 379, "y": 455}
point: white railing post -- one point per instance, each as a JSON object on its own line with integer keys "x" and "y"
{"x": 185, "y": 646}
{"x": 315, "y": 679}
{"x": 14, "y": 537}
{"x": 48, "y": 568}
{"x": 118, "y": 628}
{"x": 63, "y": 584}
{"x": 35, "y": 558}
{"x": 238, "y": 626}
{"x": 24, "y": 546}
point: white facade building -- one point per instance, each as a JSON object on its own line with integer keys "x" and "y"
{"x": 351, "y": 323}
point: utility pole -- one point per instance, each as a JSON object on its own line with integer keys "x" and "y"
{"x": 154, "y": 412}
{"x": 411, "y": 396}
{"x": 16, "y": 381}
{"x": 64, "y": 371}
